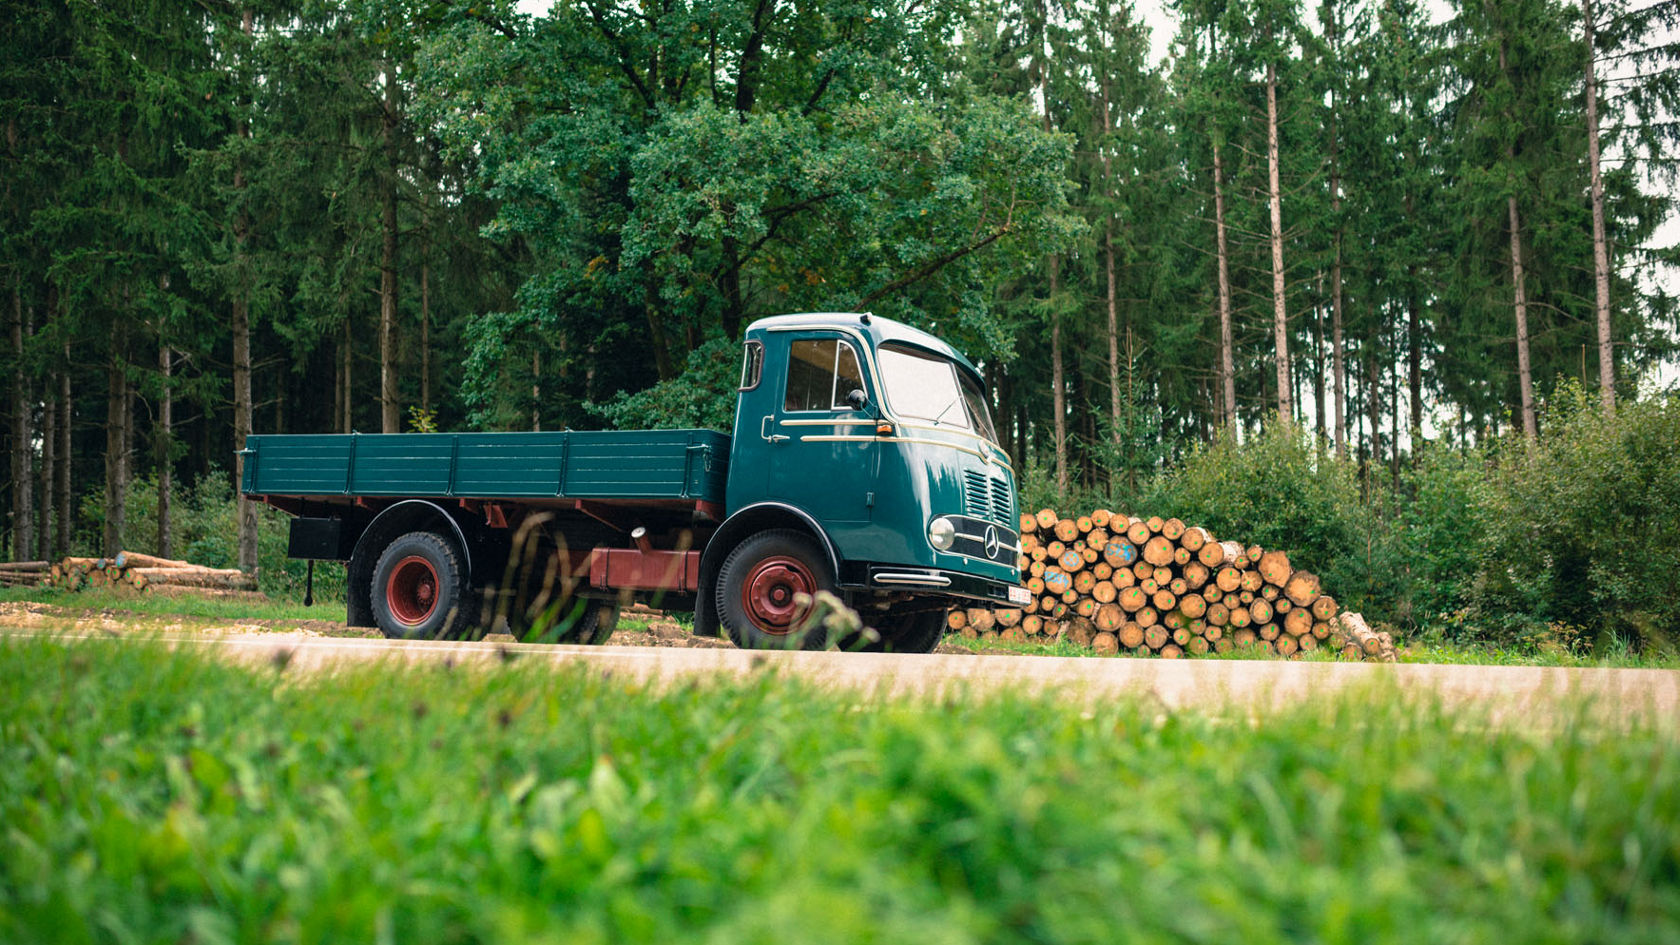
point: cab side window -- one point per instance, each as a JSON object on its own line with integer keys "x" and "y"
{"x": 752, "y": 367}
{"x": 821, "y": 372}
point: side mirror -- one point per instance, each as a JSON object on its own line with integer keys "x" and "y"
{"x": 858, "y": 399}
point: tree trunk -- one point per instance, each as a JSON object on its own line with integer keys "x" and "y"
{"x": 425, "y": 327}
{"x": 242, "y": 420}
{"x": 165, "y": 448}
{"x": 1318, "y": 362}
{"x": 1414, "y": 357}
{"x": 1108, "y": 267}
{"x": 1519, "y": 292}
{"x": 1280, "y": 320}
{"x": 1338, "y": 367}
{"x": 1601, "y": 250}
{"x": 65, "y": 404}
{"x": 23, "y": 467}
{"x": 536, "y": 391}
{"x": 348, "y": 416}
{"x": 242, "y": 423}
{"x": 44, "y": 488}
{"x": 116, "y": 442}
{"x": 390, "y": 414}
{"x": 1373, "y": 395}
{"x": 1058, "y": 381}
{"x": 1525, "y": 380}
{"x": 1227, "y": 357}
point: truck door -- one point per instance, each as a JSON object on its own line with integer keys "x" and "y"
{"x": 822, "y": 451}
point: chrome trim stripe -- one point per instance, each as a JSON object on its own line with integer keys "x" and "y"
{"x": 982, "y": 538}
{"x": 826, "y": 423}
{"x": 896, "y": 577}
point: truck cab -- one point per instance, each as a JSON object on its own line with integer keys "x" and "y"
{"x": 875, "y": 439}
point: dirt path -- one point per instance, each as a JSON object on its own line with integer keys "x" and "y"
{"x": 1523, "y": 697}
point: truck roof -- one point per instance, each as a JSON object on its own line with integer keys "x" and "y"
{"x": 878, "y": 329}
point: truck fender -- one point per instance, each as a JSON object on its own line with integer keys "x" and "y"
{"x": 391, "y": 523}
{"x": 748, "y": 521}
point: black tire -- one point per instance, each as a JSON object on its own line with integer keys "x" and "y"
{"x": 420, "y": 590}
{"x": 755, "y": 589}
{"x": 583, "y": 621}
{"x": 916, "y": 632}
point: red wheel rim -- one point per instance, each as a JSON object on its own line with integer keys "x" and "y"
{"x": 768, "y": 593}
{"x": 412, "y": 590}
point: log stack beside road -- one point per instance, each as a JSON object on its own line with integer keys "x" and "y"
{"x": 1157, "y": 586}
{"x": 142, "y": 572}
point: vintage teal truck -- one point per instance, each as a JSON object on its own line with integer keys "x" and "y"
{"x": 863, "y": 462}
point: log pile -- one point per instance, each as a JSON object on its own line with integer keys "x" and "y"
{"x": 22, "y": 573}
{"x": 1157, "y": 586}
{"x": 141, "y": 572}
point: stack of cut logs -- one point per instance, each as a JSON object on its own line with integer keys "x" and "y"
{"x": 22, "y": 573}
{"x": 1146, "y": 586}
{"x": 130, "y": 569}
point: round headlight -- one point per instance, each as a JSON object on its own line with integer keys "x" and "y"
{"x": 942, "y": 534}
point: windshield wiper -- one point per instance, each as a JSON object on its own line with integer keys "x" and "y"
{"x": 942, "y": 413}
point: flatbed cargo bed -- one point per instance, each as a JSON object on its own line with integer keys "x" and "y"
{"x": 656, "y": 467}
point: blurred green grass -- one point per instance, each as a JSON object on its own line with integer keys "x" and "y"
{"x": 155, "y": 796}
{"x": 157, "y": 605}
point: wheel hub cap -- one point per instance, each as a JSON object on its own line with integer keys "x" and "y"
{"x": 769, "y": 593}
{"x": 412, "y": 590}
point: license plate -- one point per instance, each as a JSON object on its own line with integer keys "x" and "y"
{"x": 1019, "y": 596}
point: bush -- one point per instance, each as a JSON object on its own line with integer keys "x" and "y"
{"x": 1439, "y": 531}
{"x": 1282, "y": 489}
{"x": 701, "y": 397}
{"x": 1583, "y": 526}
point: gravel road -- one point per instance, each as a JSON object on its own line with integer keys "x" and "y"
{"x": 1502, "y": 696}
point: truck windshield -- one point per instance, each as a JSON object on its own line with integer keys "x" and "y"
{"x": 928, "y": 387}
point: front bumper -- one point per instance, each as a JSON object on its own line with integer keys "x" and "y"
{"x": 947, "y": 583}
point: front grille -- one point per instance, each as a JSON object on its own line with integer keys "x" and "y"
{"x": 971, "y": 540}
{"x": 977, "y": 498}
{"x": 1003, "y": 506}
{"x": 988, "y": 498}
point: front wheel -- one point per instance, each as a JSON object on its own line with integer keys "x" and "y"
{"x": 916, "y": 632}
{"x": 420, "y": 590}
{"x": 758, "y": 588}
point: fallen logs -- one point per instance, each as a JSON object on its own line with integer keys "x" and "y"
{"x": 1152, "y": 586}
{"x": 142, "y": 572}
{"x": 22, "y": 573}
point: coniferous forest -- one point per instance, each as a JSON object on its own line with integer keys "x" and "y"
{"x": 1405, "y": 228}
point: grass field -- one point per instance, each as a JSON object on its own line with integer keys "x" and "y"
{"x": 100, "y": 599}
{"x": 147, "y": 796}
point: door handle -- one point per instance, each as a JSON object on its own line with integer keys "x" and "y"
{"x": 764, "y": 431}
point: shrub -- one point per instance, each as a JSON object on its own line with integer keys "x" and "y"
{"x": 1582, "y": 527}
{"x": 1439, "y": 531}
{"x": 701, "y": 397}
{"x": 1282, "y": 489}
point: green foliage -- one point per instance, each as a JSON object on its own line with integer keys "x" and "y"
{"x": 701, "y": 397}
{"x": 1281, "y": 489}
{"x": 149, "y": 795}
{"x": 1440, "y": 529}
{"x": 1582, "y": 528}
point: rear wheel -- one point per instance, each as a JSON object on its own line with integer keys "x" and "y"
{"x": 758, "y": 588}
{"x": 420, "y": 590}
{"x": 582, "y": 620}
